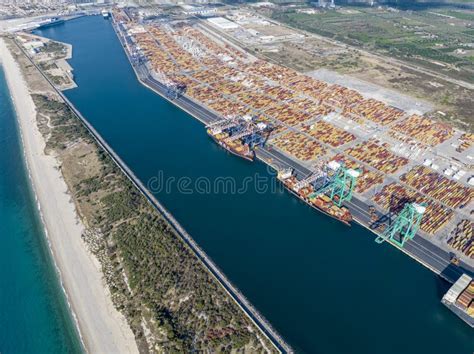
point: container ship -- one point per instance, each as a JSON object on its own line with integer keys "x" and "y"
{"x": 321, "y": 202}
{"x": 460, "y": 299}
{"x": 235, "y": 147}
{"x": 50, "y": 22}
{"x": 239, "y": 135}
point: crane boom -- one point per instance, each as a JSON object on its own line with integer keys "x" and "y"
{"x": 242, "y": 134}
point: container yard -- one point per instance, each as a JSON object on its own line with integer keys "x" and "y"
{"x": 329, "y": 134}
{"x": 287, "y": 114}
{"x": 462, "y": 238}
{"x": 425, "y": 130}
{"x": 375, "y": 111}
{"x": 438, "y": 187}
{"x": 401, "y": 159}
{"x": 378, "y": 156}
{"x": 465, "y": 142}
{"x": 299, "y": 145}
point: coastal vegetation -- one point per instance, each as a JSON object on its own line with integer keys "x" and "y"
{"x": 406, "y": 35}
{"x": 168, "y": 290}
{"x": 171, "y": 302}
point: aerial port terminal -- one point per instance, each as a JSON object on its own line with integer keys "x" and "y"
{"x": 405, "y": 194}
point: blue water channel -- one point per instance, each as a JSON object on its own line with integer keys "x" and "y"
{"x": 325, "y": 287}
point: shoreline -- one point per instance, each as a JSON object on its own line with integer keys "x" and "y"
{"x": 100, "y": 327}
{"x": 47, "y": 239}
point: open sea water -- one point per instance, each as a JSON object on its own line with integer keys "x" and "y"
{"x": 34, "y": 316}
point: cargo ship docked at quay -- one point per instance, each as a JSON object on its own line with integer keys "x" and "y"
{"x": 50, "y": 22}
{"x": 239, "y": 135}
{"x": 235, "y": 147}
{"x": 320, "y": 202}
{"x": 460, "y": 299}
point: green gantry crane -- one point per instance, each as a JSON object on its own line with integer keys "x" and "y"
{"x": 339, "y": 183}
{"x": 405, "y": 226}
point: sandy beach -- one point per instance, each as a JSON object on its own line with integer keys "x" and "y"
{"x": 103, "y": 329}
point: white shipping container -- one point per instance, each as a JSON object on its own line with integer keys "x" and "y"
{"x": 454, "y": 292}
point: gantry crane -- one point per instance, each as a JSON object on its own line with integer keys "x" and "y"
{"x": 174, "y": 90}
{"x": 241, "y": 134}
{"x": 220, "y": 122}
{"x": 405, "y": 226}
{"x": 338, "y": 183}
{"x": 306, "y": 181}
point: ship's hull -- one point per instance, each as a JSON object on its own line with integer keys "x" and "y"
{"x": 461, "y": 314}
{"x": 321, "y": 210}
{"x": 49, "y": 24}
{"x": 248, "y": 157}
